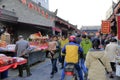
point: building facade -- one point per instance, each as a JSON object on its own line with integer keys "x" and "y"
{"x": 25, "y": 17}
{"x": 90, "y": 30}
{"x": 112, "y": 18}
{"x": 43, "y": 3}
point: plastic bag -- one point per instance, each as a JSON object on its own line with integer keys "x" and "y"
{"x": 118, "y": 70}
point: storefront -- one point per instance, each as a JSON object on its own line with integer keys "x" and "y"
{"x": 33, "y": 18}
{"x": 65, "y": 27}
{"x": 112, "y": 18}
{"x": 24, "y": 17}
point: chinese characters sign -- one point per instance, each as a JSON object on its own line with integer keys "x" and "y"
{"x": 105, "y": 27}
{"x": 38, "y": 9}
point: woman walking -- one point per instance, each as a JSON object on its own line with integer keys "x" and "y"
{"x": 96, "y": 63}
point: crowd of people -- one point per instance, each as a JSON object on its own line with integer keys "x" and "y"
{"x": 94, "y": 57}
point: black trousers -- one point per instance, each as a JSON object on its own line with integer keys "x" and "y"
{"x": 24, "y": 66}
{"x": 113, "y": 66}
{"x": 54, "y": 66}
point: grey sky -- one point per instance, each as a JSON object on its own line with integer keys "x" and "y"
{"x": 81, "y": 12}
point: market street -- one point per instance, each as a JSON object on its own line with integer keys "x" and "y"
{"x": 40, "y": 71}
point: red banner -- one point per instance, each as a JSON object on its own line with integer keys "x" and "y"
{"x": 118, "y": 27}
{"x": 105, "y": 27}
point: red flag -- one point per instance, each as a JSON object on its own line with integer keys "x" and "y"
{"x": 118, "y": 27}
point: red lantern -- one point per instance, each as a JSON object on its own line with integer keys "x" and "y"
{"x": 30, "y": 5}
{"x": 43, "y": 13}
{"x": 23, "y": 1}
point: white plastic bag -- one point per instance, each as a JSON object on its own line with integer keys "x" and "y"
{"x": 118, "y": 70}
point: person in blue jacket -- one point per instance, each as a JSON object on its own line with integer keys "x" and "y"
{"x": 73, "y": 52}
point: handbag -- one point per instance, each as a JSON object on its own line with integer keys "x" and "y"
{"x": 103, "y": 65}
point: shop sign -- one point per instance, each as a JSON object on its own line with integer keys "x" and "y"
{"x": 38, "y": 9}
{"x": 105, "y": 27}
{"x": 118, "y": 27}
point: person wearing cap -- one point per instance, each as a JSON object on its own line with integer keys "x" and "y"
{"x": 73, "y": 52}
{"x": 21, "y": 46}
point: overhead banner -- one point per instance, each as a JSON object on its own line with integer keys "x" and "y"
{"x": 118, "y": 27}
{"x": 105, "y": 27}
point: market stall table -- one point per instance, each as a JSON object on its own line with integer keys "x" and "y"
{"x": 36, "y": 56}
{"x": 8, "y": 53}
{"x": 13, "y": 65}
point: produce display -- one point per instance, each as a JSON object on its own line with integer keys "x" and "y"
{"x": 5, "y": 60}
{"x": 35, "y": 35}
{"x": 3, "y": 43}
{"x": 38, "y": 41}
{"x": 5, "y": 37}
{"x": 9, "y": 47}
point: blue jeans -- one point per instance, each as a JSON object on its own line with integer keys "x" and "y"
{"x": 77, "y": 66}
{"x": 54, "y": 67}
{"x": 82, "y": 61}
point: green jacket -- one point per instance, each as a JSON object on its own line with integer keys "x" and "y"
{"x": 86, "y": 44}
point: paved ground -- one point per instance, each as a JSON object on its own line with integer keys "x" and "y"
{"x": 40, "y": 71}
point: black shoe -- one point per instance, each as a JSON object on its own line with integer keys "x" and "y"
{"x": 20, "y": 75}
{"x": 51, "y": 76}
{"x": 111, "y": 76}
{"x": 29, "y": 74}
{"x": 52, "y": 73}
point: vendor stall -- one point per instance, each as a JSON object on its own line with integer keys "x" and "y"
{"x": 38, "y": 46}
{"x": 9, "y": 62}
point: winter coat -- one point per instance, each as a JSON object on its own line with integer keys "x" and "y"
{"x": 111, "y": 50}
{"x": 86, "y": 44}
{"x": 96, "y": 71}
{"x": 55, "y": 48}
{"x": 21, "y": 46}
{"x": 63, "y": 42}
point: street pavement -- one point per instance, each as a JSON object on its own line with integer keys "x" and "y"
{"x": 40, "y": 71}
